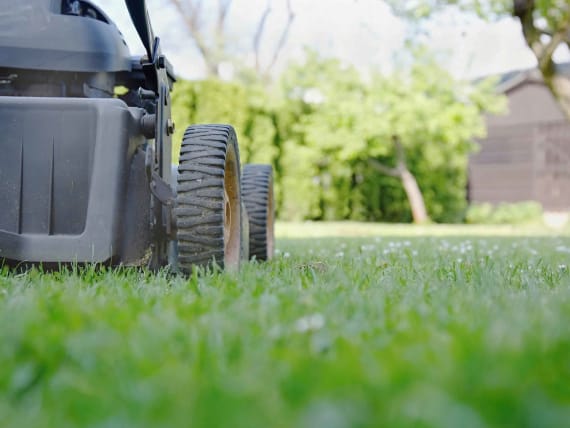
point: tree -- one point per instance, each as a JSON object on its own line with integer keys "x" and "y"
{"x": 401, "y": 171}
{"x": 327, "y": 103}
{"x": 348, "y": 147}
{"x": 422, "y": 113}
{"x": 212, "y": 40}
{"x": 425, "y": 110}
{"x": 545, "y": 25}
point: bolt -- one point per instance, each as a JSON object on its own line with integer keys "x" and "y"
{"x": 170, "y": 127}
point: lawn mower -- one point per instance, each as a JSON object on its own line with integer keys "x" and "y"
{"x": 86, "y": 173}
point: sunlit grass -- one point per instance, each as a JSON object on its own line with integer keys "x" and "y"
{"x": 359, "y": 229}
{"x": 450, "y": 328}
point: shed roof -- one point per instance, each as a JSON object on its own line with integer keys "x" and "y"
{"x": 513, "y": 79}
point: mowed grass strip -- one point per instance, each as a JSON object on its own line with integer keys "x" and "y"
{"x": 406, "y": 331}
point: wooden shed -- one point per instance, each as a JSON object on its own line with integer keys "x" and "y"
{"x": 526, "y": 155}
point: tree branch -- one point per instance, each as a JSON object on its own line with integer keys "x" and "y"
{"x": 283, "y": 38}
{"x": 524, "y": 11}
{"x": 191, "y": 19}
{"x": 400, "y": 152}
{"x": 400, "y": 167}
{"x": 544, "y": 32}
{"x": 392, "y": 172}
{"x": 223, "y": 8}
{"x": 545, "y": 57}
{"x": 258, "y": 36}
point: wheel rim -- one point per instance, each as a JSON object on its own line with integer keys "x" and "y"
{"x": 232, "y": 212}
{"x": 270, "y": 236}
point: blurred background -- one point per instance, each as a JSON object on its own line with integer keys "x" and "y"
{"x": 395, "y": 111}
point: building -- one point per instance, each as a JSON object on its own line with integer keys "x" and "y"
{"x": 526, "y": 155}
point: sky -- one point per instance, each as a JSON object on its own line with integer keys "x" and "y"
{"x": 360, "y": 32}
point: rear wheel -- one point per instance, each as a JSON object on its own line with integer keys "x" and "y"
{"x": 257, "y": 191}
{"x": 208, "y": 202}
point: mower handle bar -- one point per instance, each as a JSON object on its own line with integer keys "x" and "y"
{"x": 139, "y": 16}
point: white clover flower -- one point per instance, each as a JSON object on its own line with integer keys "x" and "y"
{"x": 310, "y": 323}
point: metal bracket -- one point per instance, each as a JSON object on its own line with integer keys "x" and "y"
{"x": 163, "y": 193}
{"x": 161, "y": 190}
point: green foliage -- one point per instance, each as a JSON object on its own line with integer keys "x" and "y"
{"x": 505, "y": 213}
{"x": 400, "y": 331}
{"x": 207, "y": 101}
{"x": 323, "y": 121}
{"x": 421, "y": 9}
{"x": 344, "y": 120}
{"x": 551, "y": 16}
{"x": 479, "y": 213}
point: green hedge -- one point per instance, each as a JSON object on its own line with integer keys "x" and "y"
{"x": 513, "y": 213}
{"x": 307, "y": 187}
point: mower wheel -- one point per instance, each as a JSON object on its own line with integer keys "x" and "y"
{"x": 257, "y": 192}
{"x": 208, "y": 202}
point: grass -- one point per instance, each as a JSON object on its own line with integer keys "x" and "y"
{"x": 400, "y": 326}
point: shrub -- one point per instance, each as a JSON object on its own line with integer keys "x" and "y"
{"x": 505, "y": 213}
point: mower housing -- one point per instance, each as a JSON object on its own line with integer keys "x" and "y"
{"x": 75, "y": 171}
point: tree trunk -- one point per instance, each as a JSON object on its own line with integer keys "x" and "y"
{"x": 543, "y": 43}
{"x": 413, "y": 192}
{"x": 415, "y": 197}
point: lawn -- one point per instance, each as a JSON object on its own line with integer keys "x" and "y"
{"x": 383, "y": 326}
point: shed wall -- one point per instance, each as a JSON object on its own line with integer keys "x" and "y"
{"x": 526, "y": 155}
{"x": 528, "y": 103}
